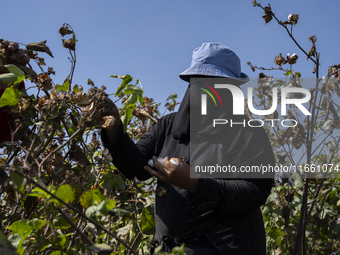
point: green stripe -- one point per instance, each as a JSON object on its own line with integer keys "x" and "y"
{"x": 208, "y": 94}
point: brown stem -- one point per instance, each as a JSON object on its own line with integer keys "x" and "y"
{"x": 290, "y": 34}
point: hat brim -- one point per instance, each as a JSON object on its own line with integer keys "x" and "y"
{"x": 212, "y": 71}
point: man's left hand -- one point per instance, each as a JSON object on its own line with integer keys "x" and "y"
{"x": 176, "y": 175}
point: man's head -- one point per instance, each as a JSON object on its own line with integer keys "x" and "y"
{"x": 215, "y": 60}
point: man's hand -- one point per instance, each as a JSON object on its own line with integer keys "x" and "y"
{"x": 176, "y": 175}
{"x": 108, "y": 108}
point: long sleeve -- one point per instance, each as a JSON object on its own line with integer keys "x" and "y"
{"x": 230, "y": 196}
{"x": 243, "y": 147}
{"x": 128, "y": 157}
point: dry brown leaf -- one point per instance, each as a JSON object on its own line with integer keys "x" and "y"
{"x": 69, "y": 44}
{"x": 268, "y": 16}
{"x": 312, "y": 52}
{"x": 40, "y": 46}
{"x": 64, "y": 30}
{"x": 44, "y": 81}
{"x": 41, "y": 62}
{"x": 82, "y": 99}
{"x": 279, "y": 60}
{"x": 29, "y": 72}
{"x": 335, "y": 87}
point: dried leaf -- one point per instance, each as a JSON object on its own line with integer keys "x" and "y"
{"x": 161, "y": 191}
{"x": 292, "y": 59}
{"x": 279, "y": 60}
{"x": 29, "y": 72}
{"x": 44, "y": 81}
{"x": 335, "y": 87}
{"x": 286, "y": 136}
{"x": 251, "y": 66}
{"x": 41, "y": 62}
{"x": 312, "y": 52}
{"x": 327, "y": 106}
{"x": 268, "y": 16}
{"x": 70, "y": 43}
{"x": 64, "y": 30}
{"x": 40, "y": 46}
{"x": 50, "y": 70}
{"x": 282, "y": 159}
{"x": 81, "y": 99}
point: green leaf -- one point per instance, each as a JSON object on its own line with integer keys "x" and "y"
{"x": 37, "y": 224}
{"x": 101, "y": 247}
{"x": 126, "y": 117}
{"x": 111, "y": 181}
{"x": 126, "y": 79}
{"x": 66, "y": 85}
{"x": 62, "y": 240}
{"x": 132, "y": 99}
{"x": 107, "y": 182}
{"x": 120, "y": 212}
{"x": 66, "y": 193}
{"x": 298, "y": 74}
{"x": 334, "y": 227}
{"x": 77, "y": 88}
{"x": 106, "y": 206}
{"x": 21, "y": 227}
{"x": 338, "y": 203}
{"x": 288, "y": 73}
{"x": 72, "y": 130}
{"x": 88, "y": 198}
{"x": 10, "y": 97}
{"x": 14, "y": 77}
{"x": 38, "y": 192}
{"x": 57, "y": 253}
{"x": 92, "y": 212}
{"x": 60, "y": 222}
{"x": 148, "y": 220}
{"x": 118, "y": 183}
{"x": 17, "y": 182}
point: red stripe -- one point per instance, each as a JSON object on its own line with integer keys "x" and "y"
{"x": 213, "y": 90}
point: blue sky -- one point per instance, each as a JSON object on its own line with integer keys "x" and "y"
{"x": 153, "y": 40}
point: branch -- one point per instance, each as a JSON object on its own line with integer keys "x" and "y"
{"x": 77, "y": 211}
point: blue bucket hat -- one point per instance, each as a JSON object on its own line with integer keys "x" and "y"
{"x": 214, "y": 59}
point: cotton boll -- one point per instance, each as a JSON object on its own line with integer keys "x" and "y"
{"x": 151, "y": 164}
{"x": 160, "y": 160}
{"x": 332, "y": 146}
{"x": 324, "y": 79}
{"x": 328, "y": 126}
{"x": 176, "y": 163}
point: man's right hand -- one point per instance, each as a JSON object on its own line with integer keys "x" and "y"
{"x": 108, "y": 108}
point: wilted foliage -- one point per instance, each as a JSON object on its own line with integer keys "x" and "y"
{"x": 302, "y": 215}
{"x": 60, "y": 193}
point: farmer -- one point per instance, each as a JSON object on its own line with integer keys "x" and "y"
{"x": 210, "y": 215}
